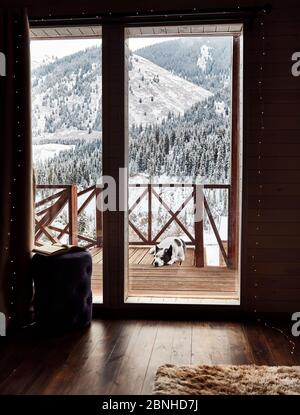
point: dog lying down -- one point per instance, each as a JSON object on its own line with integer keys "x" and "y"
{"x": 168, "y": 251}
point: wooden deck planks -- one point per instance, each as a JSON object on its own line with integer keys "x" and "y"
{"x": 176, "y": 281}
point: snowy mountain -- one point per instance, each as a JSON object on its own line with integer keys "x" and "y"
{"x": 178, "y": 127}
{"x": 43, "y": 152}
{"x": 66, "y": 93}
{"x": 204, "y": 61}
{"x": 154, "y": 92}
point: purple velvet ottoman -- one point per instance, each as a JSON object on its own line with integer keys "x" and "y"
{"x": 62, "y": 284}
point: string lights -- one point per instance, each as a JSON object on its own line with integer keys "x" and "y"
{"x": 291, "y": 342}
{"x": 260, "y": 142}
{"x": 259, "y": 155}
{"x": 189, "y": 14}
{"x": 13, "y": 194}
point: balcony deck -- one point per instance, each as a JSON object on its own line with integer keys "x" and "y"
{"x": 170, "y": 283}
{"x": 192, "y": 282}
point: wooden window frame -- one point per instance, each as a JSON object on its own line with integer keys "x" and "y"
{"x": 115, "y": 156}
{"x": 115, "y": 146}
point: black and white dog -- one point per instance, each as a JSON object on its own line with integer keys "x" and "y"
{"x": 168, "y": 251}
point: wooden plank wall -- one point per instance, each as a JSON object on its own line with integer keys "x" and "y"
{"x": 270, "y": 238}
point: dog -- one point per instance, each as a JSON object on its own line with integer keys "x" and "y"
{"x": 168, "y": 251}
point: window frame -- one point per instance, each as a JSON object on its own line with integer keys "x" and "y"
{"x": 115, "y": 156}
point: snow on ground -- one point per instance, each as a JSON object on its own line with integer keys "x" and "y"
{"x": 67, "y": 134}
{"x": 43, "y": 152}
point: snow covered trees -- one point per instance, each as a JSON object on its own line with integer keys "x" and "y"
{"x": 200, "y": 137}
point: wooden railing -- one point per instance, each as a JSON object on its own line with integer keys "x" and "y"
{"x": 150, "y": 191}
{"x": 65, "y": 198}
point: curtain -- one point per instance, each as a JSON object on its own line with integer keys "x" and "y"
{"x": 15, "y": 169}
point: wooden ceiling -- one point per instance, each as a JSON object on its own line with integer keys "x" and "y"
{"x": 183, "y": 30}
{"x": 69, "y": 32}
{"x": 65, "y": 32}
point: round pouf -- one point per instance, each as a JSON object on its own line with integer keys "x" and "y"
{"x": 63, "y": 296}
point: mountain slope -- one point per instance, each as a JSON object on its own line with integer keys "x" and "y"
{"x": 205, "y": 61}
{"x": 154, "y": 92}
{"x": 66, "y": 94}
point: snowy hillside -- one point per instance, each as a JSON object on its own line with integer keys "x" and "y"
{"x": 43, "y": 152}
{"x": 42, "y": 61}
{"x": 66, "y": 94}
{"x": 204, "y": 61}
{"x": 154, "y": 92}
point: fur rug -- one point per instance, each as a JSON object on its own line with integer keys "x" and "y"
{"x": 227, "y": 380}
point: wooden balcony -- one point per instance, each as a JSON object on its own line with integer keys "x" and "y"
{"x": 194, "y": 280}
{"x": 171, "y": 283}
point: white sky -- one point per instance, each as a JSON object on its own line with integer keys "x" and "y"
{"x": 140, "y": 42}
{"x": 60, "y": 48}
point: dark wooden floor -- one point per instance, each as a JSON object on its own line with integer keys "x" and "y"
{"x": 121, "y": 357}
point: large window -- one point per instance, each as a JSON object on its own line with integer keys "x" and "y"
{"x": 172, "y": 119}
{"x": 67, "y": 141}
{"x": 182, "y": 158}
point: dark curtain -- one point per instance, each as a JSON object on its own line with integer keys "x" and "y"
{"x": 15, "y": 169}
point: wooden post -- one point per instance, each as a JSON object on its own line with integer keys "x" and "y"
{"x": 73, "y": 216}
{"x": 149, "y": 213}
{"x": 222, "y": 263}
{"x": 115, "y": 55}
{"x": 233, "y": 205}
{"x": 199, "y": 243}
{"x": 99, "y": 227}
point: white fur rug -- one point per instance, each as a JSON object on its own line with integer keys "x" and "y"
{"x": 227, "y": 380}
